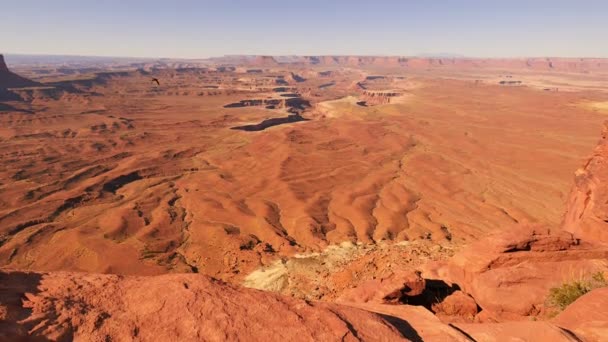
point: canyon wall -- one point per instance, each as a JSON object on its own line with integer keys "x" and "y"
{"x": 587, "y": 208}
{"x": 537, "y": 64}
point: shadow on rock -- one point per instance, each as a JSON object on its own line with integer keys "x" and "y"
{"x": 404, "y": 328}
{"x": 434, "y": 292}
{"x": 13, "y": 288}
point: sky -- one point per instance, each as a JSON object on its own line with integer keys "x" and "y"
{"x": 200, "y": 29}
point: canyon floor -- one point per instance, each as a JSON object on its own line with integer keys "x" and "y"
{"x": 311, "y": 181}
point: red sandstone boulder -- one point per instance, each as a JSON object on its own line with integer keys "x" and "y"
{"x": 587, "y": 316}
{"x": 510, "y": 274}
{"x": 390, "y": 289}
{"x": 457, "y": 304}
{"x": 191, "y": 307}
{"x": 424, "y": 326}
{"x": 517, "y": 331}
{"x": 176, "y": 307}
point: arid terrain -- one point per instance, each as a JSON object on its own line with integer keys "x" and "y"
{"x": 389, "y": 197}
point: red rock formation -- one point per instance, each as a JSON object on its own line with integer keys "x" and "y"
{"x": 587, "y": 317}
{"x": 390, "y": 289}
{"x": 378, "y": 97}
{"x": 3, "y": 66}
{"x": 9, "y": 79}
{"x": 190, "y": 307}
{"x": 577, "y": 65}
{"x": 430, "y": 328}
{"x": 529, "y": 260}
{"x": 587, "y": 208}
{"x": 509, "y": 274}
{"x": 264, "y": 61}
{"x": 541, "y": 64}
{"x": 458, "y": 304}
{"x": 426, "y": 325}
{"x": 517, "y": 331}
{"x": 184, "y": 307}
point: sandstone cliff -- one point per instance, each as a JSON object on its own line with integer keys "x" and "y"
{"x": 264, "y": 61}
{"x": 541, "y": 64}
{"x": 587, "y": 207}
{"x": 9, "y": 79}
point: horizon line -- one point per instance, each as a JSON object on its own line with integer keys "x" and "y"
{"x": 420, "y": 55}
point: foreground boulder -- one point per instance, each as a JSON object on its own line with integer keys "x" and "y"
{"x": 510, "y": 274}
{"x": 587, "y": 317}
{"x": 456, "y": 305}
{"x": 518, "y": 331}
{"x": 424, "y": 326}
{"x": 421, "y": 324}
{"x": 394, "y": 288}
{"x": 61, "y": 306}
{"x": 178, "y": 307}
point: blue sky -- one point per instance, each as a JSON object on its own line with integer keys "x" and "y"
{"x": 196, "y": 29}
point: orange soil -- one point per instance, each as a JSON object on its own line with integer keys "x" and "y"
{"x": 138, "y": 179}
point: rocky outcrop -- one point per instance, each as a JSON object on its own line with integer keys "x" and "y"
{"x": 184, "y": 307}
{"x": 294, "y": 104}
{"x": 264, "y": 61}
{"x": 256, "y": 102}
{"x": 3, "y": 66}
{"x": 378, "y": 97}
{"x": 457, "y": 304}
{"x": 429, "y": 327}
{"x": 390, "y": 289}
{"x": 587, "y": 208}
{"x": 191, "y": 307}
{"x": 503, "y": 277}
{"x": 291, "y": 118}
{"x": 517, "y": 331}
{"x": 587, "y": 316}
{"x": 39, "y": 93}
{"x": 541, "y": 64}
{"x": 297, "y": 78}
{"x": 510, "y": 274}
{"x": 9, "y": 79}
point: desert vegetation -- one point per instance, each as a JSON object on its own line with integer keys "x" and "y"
{"x": 566, "y": 293}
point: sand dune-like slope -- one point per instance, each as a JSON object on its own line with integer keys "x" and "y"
{"x": 525, "y": 261}
{"x": 120, "y": 175}
{"x": 333, "y": 179}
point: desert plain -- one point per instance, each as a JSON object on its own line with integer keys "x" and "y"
{"x": 321, "y": 179}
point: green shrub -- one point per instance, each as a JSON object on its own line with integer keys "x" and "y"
{"x": 564, "y": 295}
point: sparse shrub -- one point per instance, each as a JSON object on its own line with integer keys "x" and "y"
{"x": 564, "y": 295}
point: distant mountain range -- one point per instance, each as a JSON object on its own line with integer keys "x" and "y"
{"x": 421, "y": 61}
{"x": 440, "y": 55}
{"x": 21, "y": 59}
